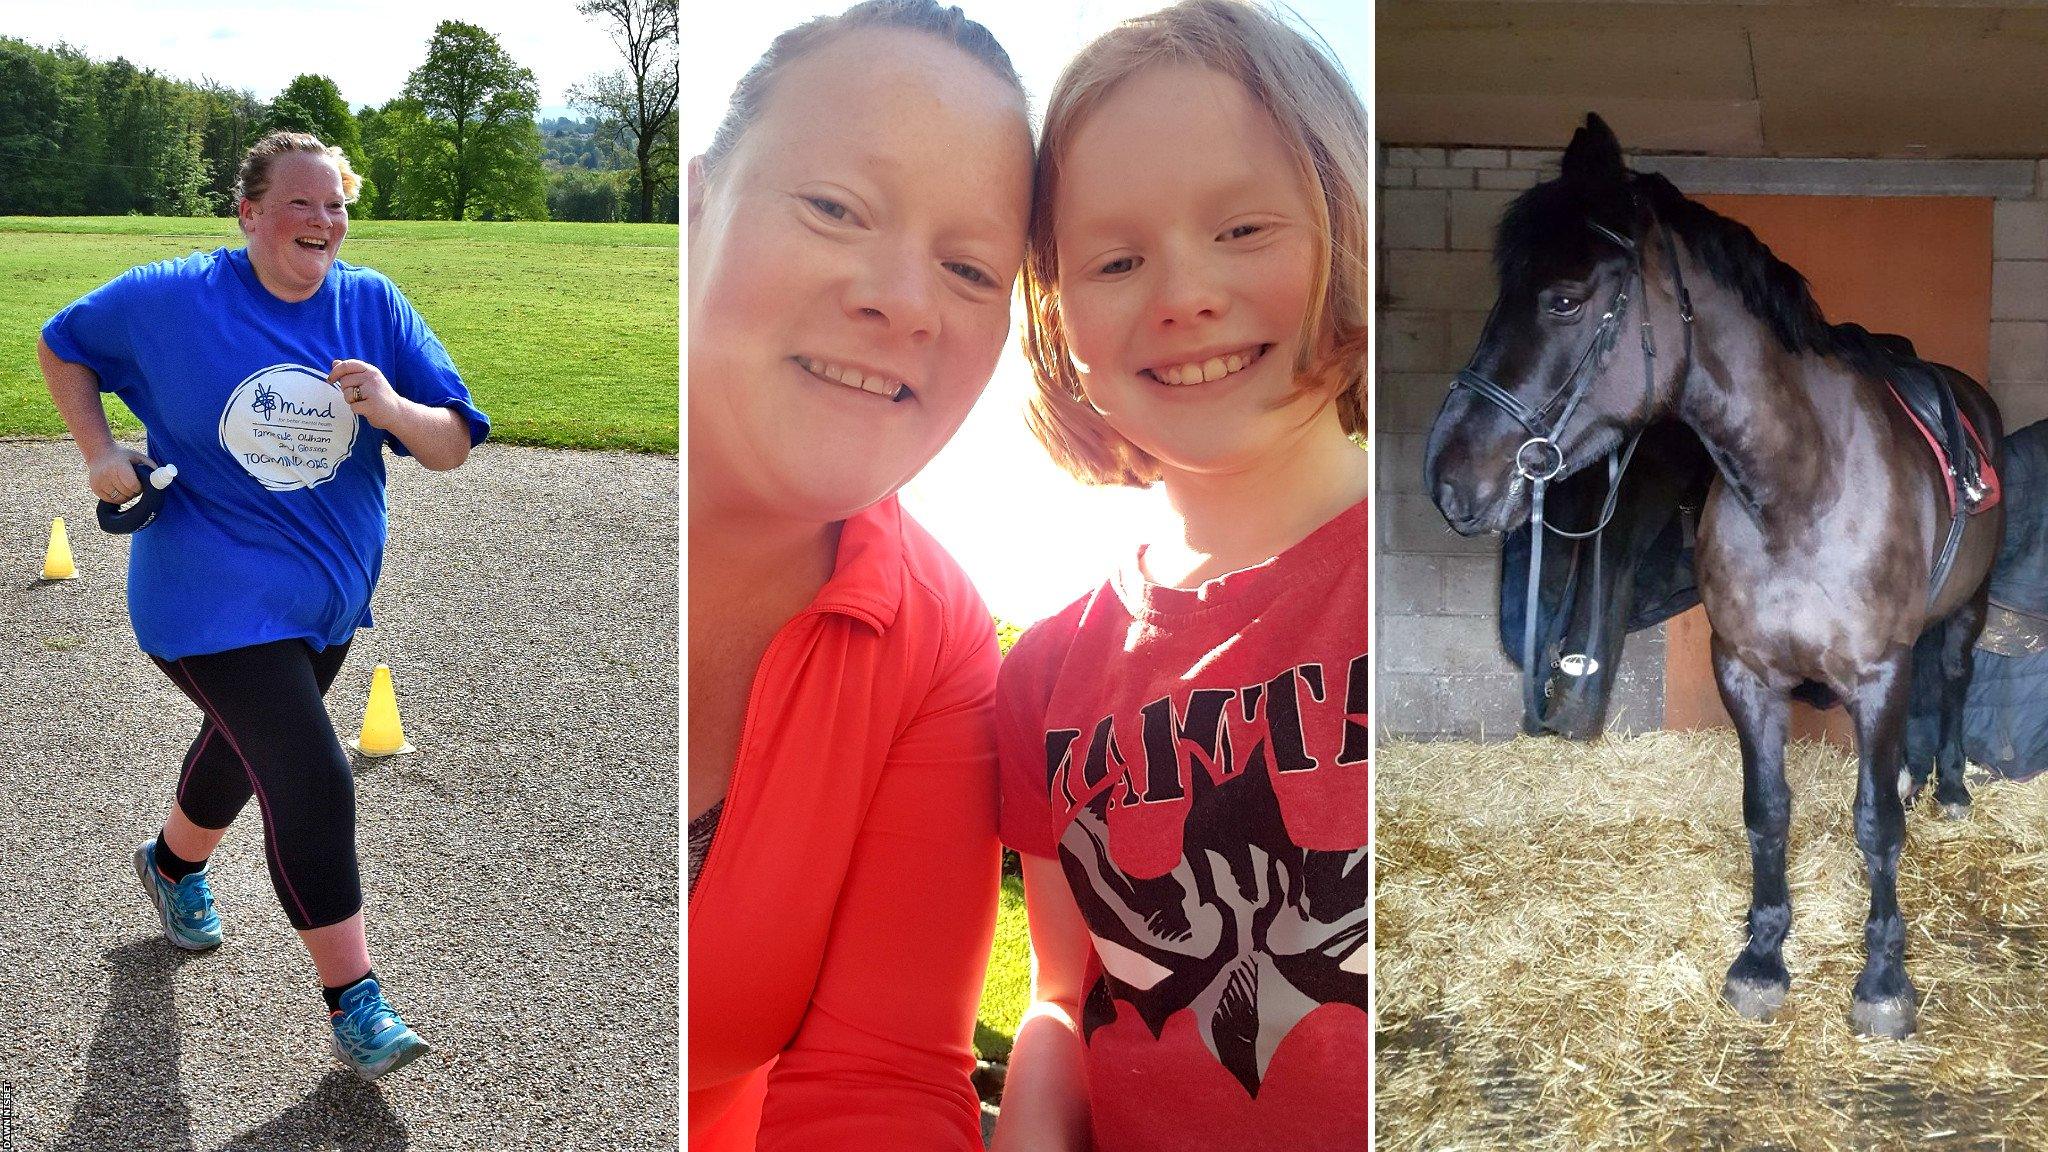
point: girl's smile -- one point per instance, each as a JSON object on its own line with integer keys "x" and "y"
{"x": 1184, "y": 291}
{"x": 1207, "y": 368}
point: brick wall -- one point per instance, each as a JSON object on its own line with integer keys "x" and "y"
{"x": 1440, "y": 671}
{"x": 2019, "y": 303}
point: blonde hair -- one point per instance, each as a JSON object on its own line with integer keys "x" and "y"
{"x": 1323, "y": 126}
{"x": 950, "y": 24}
{"x": 253, "y": 180}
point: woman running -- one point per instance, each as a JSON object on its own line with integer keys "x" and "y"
{"x": 273, "y": 376}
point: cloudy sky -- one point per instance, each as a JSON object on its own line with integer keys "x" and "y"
{"x": 365, "y": 46}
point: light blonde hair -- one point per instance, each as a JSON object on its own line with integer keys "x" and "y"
{"x": 947, "y": 23}
{"x": 1323, "y": 126}
{"x": 253, "y": 180}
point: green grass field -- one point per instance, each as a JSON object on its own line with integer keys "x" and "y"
{"x": 566, "y": 333}
{"x": 1006, "y": 992}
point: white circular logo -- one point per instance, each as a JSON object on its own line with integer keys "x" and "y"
{"x": 288, "y": 427}
{"x": 1578, "y": 664}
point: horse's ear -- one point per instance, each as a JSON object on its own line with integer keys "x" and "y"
{"x": 1594, "y": 155}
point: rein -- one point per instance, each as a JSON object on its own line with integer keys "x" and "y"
{"x": 1540, "y": 460}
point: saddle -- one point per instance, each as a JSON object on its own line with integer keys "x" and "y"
{"x": 1924, "y": 392}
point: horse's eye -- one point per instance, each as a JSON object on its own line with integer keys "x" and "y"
{"x": 1565, "y": 305}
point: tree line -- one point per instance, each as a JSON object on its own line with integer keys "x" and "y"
{"x": 460, "y": 142}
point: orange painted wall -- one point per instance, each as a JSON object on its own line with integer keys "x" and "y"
{"x": 1918, "y": 266}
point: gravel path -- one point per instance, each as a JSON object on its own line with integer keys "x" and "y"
{"x": 520, "y": 868}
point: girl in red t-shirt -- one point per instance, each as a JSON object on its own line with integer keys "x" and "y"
{"x": 1184, "y": 749}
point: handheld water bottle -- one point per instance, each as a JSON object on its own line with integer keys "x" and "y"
{"x": 121, "y": 521}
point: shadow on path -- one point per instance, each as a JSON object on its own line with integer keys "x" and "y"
{"x": 342, "y": 1113}
{"x": 132, "y": 1099}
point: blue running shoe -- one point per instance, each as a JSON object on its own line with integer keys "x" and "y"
{"x": 186, "y": 908}
{"x": 368, "y": 1035}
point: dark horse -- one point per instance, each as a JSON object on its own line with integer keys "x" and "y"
{"x": 1819, "y": 537}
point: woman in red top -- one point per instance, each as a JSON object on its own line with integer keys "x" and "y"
{"x": 855, "y": 228}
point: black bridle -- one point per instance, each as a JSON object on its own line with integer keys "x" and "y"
{"x": 1540, "y": 460}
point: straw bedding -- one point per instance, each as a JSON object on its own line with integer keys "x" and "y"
{"x": 1553, "y": 921}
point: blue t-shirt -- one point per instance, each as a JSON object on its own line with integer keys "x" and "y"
{"x": 274, "y": 527}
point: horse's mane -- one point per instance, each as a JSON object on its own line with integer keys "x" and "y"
{"x": 1549, "y": 221}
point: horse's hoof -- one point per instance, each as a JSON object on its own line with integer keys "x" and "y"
{"x": 1754, "y": 999}
{"x": 1954, "y": 810}
{"x": 1892, "y": 1017}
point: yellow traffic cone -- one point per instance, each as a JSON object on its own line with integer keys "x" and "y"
{"x": 382, "y": 734}
{"x": 57, "y": 563}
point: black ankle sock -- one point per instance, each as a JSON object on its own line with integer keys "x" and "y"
{"x": 174, "y": 867}
{"x": 334, "y": 995}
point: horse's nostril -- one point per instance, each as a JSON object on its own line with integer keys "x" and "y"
{"x": 1465, "y": 501}
{"x": 1454, "y": 502}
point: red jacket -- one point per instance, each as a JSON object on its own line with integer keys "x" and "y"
{"x": 842, "y": 919}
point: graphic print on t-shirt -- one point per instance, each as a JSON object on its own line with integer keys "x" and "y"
{"x": 1248, "y": 930}
{"x": 288, "y": 427}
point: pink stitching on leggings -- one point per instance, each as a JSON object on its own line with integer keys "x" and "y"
{"x": 192, "y": 762}
{"x": 262, "y": 798}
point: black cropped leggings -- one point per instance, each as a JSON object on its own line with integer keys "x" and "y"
{"x": 266, "y": 734}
